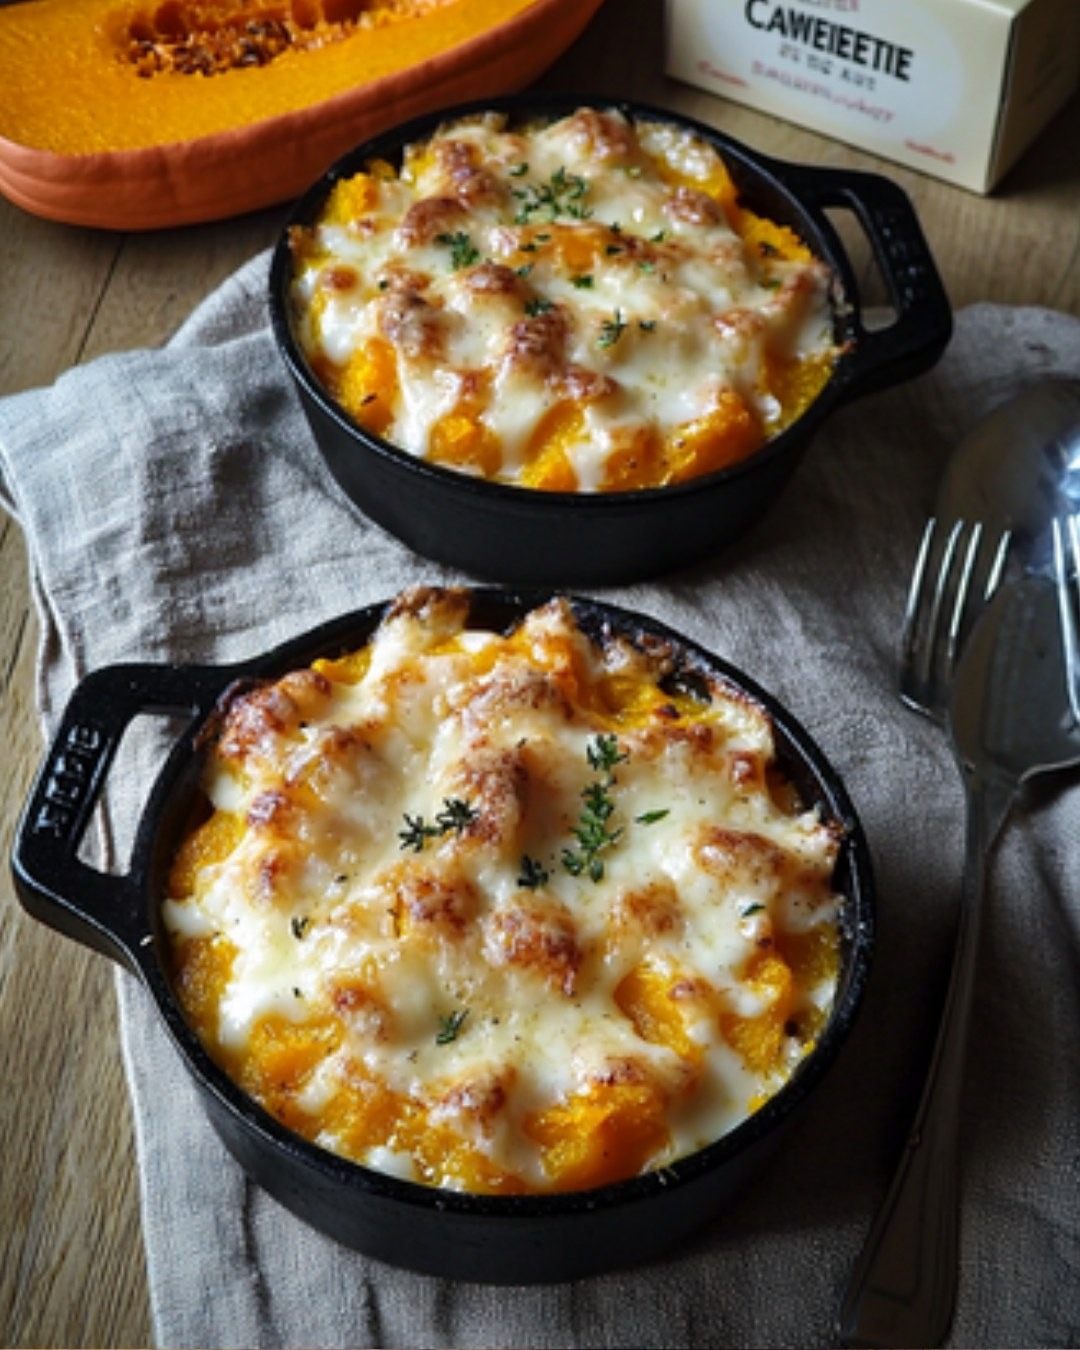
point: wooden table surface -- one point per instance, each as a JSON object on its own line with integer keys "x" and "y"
{"x": 71, "y": 1261}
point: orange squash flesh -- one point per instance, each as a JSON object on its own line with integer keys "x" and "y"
{"x": 87, "y": 139}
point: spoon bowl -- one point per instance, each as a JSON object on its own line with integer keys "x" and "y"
{"x": 1017, "y": 470}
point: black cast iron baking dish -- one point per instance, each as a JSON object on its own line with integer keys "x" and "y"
{"x": 528, "y": 537}
{"x": 493, "y": 1239}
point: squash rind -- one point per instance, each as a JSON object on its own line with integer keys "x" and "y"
{"x": 260, "y": 164}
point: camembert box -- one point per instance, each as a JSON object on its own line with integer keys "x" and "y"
{"x": 955, "y": 88}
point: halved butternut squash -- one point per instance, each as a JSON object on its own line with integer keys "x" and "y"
{"x": 140, "y": 114}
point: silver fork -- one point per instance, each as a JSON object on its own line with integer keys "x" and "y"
{"x": 1066, "y": 531}
{"x": 959, "y": 566}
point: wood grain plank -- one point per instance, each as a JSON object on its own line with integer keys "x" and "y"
{"x": 56, "y": 274}
{"x": 70, "y": 1220}
{"x": 159, "y": 278}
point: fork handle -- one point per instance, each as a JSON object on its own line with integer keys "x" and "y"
{"x": 902, "y": 1291}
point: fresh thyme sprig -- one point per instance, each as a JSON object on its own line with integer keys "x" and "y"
{"x": 592, "y": 834}
{"x": 462, "y": 251}
{"x": 562, "y": 195}
{"x": 593, "y": 831}
{"x": 455, "y": 815}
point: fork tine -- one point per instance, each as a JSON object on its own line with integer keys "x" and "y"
{"x": 933, "y": 578}
{"x": 961, "y": 595}
{"x": 983, "y": 571}
{"x": 950, "y": 584}
{"x": 912, "y": 635}
{"x": 1067, "y": 568}
{"x": 997, "y": 567}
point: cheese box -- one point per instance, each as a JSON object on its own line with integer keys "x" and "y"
{"x": 954, "y": 88}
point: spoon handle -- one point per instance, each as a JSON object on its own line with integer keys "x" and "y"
{"x": 902, "y": 1291}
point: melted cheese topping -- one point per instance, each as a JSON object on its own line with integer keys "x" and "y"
{"x": 579, "y": 306}
{"x": 503, "y": 912}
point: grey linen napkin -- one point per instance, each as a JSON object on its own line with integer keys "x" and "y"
{"x": 174, "y": 508}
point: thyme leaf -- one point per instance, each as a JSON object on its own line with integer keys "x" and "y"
{"x": 450, "y": 1025}
{"x": 533, "y": 873}
{"x": 611, "y": 330}
{"x": 416, "y": 834}
{"x": 456, "y": 813}
{"x": 603, "y": 753}
{"x": 651, "y": 817}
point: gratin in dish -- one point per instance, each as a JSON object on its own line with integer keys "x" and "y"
{"x": 503, "y": 912}
{"x": 577, "y": 305}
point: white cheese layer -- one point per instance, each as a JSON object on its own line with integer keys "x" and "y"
{"x": 587, "y": 264}
{"x": 513, "y": 882}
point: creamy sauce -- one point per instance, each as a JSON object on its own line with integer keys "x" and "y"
{"x": 503, "y": 912}
{"x": 582, "y": 305}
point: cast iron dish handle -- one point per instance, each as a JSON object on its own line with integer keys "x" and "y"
{"x": 883, "y": 357}
{"x": 104, "y": 911}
